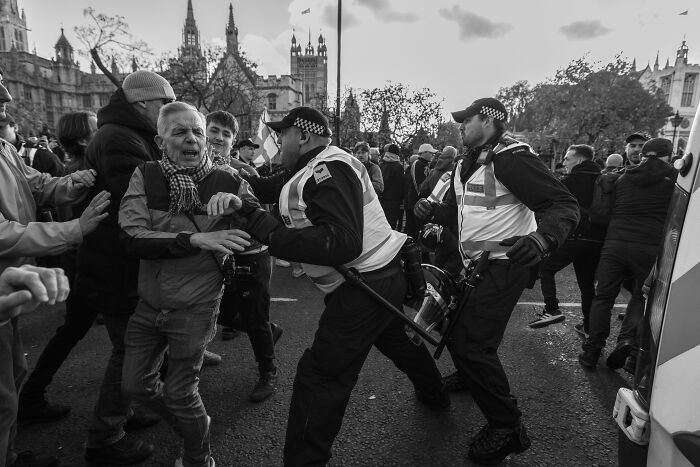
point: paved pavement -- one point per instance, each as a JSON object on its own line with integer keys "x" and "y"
{"x": 567, "y": 411}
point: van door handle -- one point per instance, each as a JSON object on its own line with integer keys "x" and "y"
{"x": 689, "y": 445}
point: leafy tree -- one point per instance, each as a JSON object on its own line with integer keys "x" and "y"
{"x": 592, "y": 104}
{"x": 515, "y": 98}
{"x": 398, "y": 114}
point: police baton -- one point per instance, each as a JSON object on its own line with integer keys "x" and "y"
{"x": 353, "y": 276}
{"x": 469, "y": 284}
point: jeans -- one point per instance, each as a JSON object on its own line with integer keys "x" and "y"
{"x": 392, "y": 211}
{"x": 185, "y": 332}
{"x": 478, "y": 334}
{"x": 350, "y": 325}
{"x": 13, "y": 369}
{"x": 618, "y": 261}
{"x": 585, "y": 256}
{"x": 246, "y": 306}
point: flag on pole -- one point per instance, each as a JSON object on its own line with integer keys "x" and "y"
{"x": 267, "y": 140}
{"x": 683, "y": 13}
{"x": 308, "y": 10}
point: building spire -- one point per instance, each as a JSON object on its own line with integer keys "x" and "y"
{"x": 656, "y": 63}
{"x": 190, "y": 36}
{"x": 634, "y": 64}
{"x": 231, "y": 33}
{"x": 309, "y": 48}
{"x": 190, "y": 11}
{"x": 682, "y": 54}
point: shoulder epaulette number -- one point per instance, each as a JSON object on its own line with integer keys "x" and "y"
{"x": 321, "y": 173}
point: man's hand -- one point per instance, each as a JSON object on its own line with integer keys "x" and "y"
{"x": 261, "y": 224}
{"x": 528, "y": 250}
{"x": 83, "y": 178}
{"x": 223, "y": 241}
{"x": 93, "y": 214}
{"x": 23, "y": 289}
{"x": 423, "y": 209}
{"x": 223, "y": 204}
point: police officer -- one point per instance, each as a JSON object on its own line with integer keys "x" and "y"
{"x": 494, "y": 191}
{"x": 332, "y": 216}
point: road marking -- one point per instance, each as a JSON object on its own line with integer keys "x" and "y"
{"x": 282, "y": 299}
{"x": 568, "y": 305}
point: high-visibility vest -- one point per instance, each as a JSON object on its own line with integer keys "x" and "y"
{"x": 440, "y": 188}
{"x": 488, "y": 212}
{"x": 380, "y": 244}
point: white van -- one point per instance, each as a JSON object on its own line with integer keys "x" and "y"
{"x": 659, "y": 418}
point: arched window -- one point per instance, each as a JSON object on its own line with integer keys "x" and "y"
{"x": 272, "y": 101}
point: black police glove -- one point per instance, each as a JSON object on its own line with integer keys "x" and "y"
{"x": 423, "y": 209}
{"x": 261, "y": 224}
{"x": 528, "y": 250}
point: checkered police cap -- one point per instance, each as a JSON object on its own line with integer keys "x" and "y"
{"x": 486, "y": 106}
{"x": 306, "y": 118}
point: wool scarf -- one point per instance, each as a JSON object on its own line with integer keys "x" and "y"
{"x": 184, "y": 196}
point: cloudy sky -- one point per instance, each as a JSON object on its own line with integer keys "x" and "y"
{"x": 462, "y": 50}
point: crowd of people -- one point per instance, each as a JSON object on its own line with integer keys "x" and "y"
{"x": 154, "y": 217}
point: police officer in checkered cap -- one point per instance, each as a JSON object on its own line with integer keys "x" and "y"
{"x": 496, "y": 192}
{"x": 331, "y": 216}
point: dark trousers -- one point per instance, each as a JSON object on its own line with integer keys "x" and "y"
{"x": 392, "y": 211}
{"x": 246, "y": 306}
{"x": 618, "y": 261}
{"x": 413, "y": 225}
{"x": 585, "y": 255}
{"x": 350, "y": 325}
{"x": 477, "y": 336}
{"x": 447, "y": 255}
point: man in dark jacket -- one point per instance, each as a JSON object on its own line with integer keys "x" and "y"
{"x": 416, "y": 173}
{"x": 393, "y": 194}
{"x": 583, "y": 245}
{"x": 632, "y": 242}
{"x": 107, "y": 277}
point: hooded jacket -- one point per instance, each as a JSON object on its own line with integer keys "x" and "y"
{"x": 642, "y": 195}
{"x": 580, "y": 183}
{"x": 124, "y": 140}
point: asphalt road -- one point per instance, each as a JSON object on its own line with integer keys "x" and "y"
{"x": 567, "y": 411}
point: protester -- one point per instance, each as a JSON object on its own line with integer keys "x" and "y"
{"x": 582, "y": 246}
{"x": 22, "y": 239}
{"x": 246, "y": 152}
{"x": 332, "y": 218}
{"x": 613, "y": 162}
{"x": 181, "y": 273}
{"x": 500, "y": 186}
{"x": 246, "y": 305}
{"x": 361, "y": 152}
{"x": 394, "y": 187}
{"x": 75, "y": 130}
{"x": 106, "y": 276}
{"x": 39, "y": 158}
{"x": 415, "y": 175}
{"x": 633, "y": 148}
{"x": 642, "y": 195}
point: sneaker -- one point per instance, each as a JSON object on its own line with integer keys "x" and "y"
{"x": 265, "y": 387}
{"x": 492, "y": 445}
{"x": 123, "y": 452}
{"x": 297, "y": 271}
{"x": 282, "y": 263}
{"x": 546, "y": 318}
{"x": 617, "y": 357}
{"x": 580, "y": 329}
{"x": 588, "y": 360}
{"x": 211, "y": 358}
{"x": 140, "y": 420}
{"x": 439, "y": 402}
{"x": 29, "y": 459}
{"x": 43, "y": 412}
{"x": 276, "y": 332}
{"x": 228, "y": 334}
{"x": 455, "y": 382}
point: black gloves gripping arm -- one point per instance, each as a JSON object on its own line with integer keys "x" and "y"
{"x": 260, "y": 223}
{"x": 530, "y": 249}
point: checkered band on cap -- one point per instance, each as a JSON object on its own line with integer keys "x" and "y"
{"x": 315, "y": 128}
{"x": 493, "y": 113}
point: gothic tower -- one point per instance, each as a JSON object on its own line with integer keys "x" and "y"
{"x": 190, "y": 49}
{"x": 64, "y": 51}
{"x": 13, "y": 27}
{"x": 231, "y": 33}
{"x": 312, "y": 67}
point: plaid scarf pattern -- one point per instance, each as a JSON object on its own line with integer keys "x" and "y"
{"x": 184, "y": 196}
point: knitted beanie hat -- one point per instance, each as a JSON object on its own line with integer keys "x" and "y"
{"x": 145, "y": 85}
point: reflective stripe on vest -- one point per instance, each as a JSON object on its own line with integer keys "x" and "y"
{"x": 380, "y": 244}
{"x": 441, "y": 187}
{"x": 488, "y": 212}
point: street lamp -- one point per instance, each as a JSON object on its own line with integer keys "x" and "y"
{"x": 675, "y": 121}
